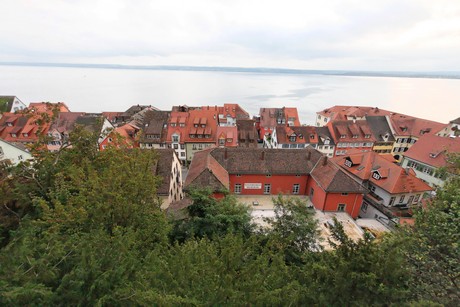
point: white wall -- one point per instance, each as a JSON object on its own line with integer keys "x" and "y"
{"x": 13, "y": 153}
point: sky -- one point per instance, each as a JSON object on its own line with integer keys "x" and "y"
{"x": 387, "y": 35}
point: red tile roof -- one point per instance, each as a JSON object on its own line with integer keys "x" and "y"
{"x": 348, "y": 112}
{"x": 404, "y": 125}
{"x": 227, "y": 133}
{"x": 349, "y": 129}
{"x": 332, "y": 178}
{"x": 205, "y": 171}
{"x": 394, "y": 179}
{"x": 432, "y": 149}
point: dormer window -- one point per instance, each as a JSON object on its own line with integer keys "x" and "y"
{"x": 342, "y": 136}
{"x": 173, "y": 124}
{"x": 203, "y": 126}
{"x": 348, "y": 163}
{"x": 195, "y": 125}
{"x": 367, "y": 136}
{"x": 9, "y": 124}
{"x": 376, "y": 176}
{"x": 229, "y": 140}
{"x": 292, "y": 138}
{"x": 403, "y": 129}
{"x": 13, "y": 135}
{"x": 182, "y": 124}
{"x": 355, "y": 136}
{"x": 25, "y": 134}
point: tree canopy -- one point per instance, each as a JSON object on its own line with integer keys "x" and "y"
{"x": 84, "y": 227}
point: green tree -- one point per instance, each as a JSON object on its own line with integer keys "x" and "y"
{"x": 210, "y": 217}
{"x": 293, "y": 229}
{"x": 433, "y": 248}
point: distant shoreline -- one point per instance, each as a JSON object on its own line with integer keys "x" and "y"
{"x": 345, "y": 73}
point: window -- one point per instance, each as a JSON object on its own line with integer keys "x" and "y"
{"x": 194, "y": 147}
{"x": 417, "y": 197}
{"x": 238, "y": 188}
{"x": 410, "y": 200}
{"x": 401, "y": 199}
{"x": 364, "y": 207}
{"x": 367, "y": 136}
{"x": 355, "y": 136}
{"x": 176, "y": 146}
{"x": 376, "y": 175}
{"x": 267, "y": 188}
{"x": 1, "y": 150}
{"x": 392, "y": 201}
{"x": 341, "y": 207}
{"x": 312, "y": 192}
{"x": 344, "y": 194}
{"x": 221, "y": 142}
{"x": 182, "y": 154}
{"x": 342, "y": 136}
{"x": 20, "y": 157}
{"x": 296, "y": 188}
{"x": 372, "y": 188}
{"x": 200, "y": 146}
{"x": 269, "y": 175}
{"x": 292, "y": 138}
{"x": 238, "y": 175}
{"x": 175, "y": 138}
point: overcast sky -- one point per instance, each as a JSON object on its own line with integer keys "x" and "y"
{"x": 350, "y": 34}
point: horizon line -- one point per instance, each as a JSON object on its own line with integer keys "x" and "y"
{"x": 262, "y": 70}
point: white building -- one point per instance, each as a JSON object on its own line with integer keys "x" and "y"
{"x": 13, "y": 154}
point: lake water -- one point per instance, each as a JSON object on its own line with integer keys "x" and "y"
{"x": 96, "y": 90}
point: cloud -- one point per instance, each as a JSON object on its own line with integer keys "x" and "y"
{"x": 391, "y": 35}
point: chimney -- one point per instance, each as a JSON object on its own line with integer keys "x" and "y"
{"x": 262, "y": 157}
{"x": 308, "y": 155}
{"x": 225, "y": 153}
{"x": 325, "y": 161}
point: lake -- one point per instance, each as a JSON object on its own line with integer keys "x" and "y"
{"x": 99, "y": 89}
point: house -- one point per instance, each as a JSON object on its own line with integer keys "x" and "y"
{"x": 393, "y": 189}
{"x": 230, "y": 113}
{"x": 291, "y": 137}
{"x": 122, "y": 136}
{"x": 168, "y": 167}
{"x": 22, "y": 128}
{"x": 201, "y": 130}
{"x": 11, "y": 104}
{"x": 355, "y": 135}
{"x": 428, "y": 155}
{"x": 60, "y": 129}
{"x": 247, "y": 133}
{"x": 332, "y": 189}
{"x": 407, "y": 130}
{"x": 12, "y": 154}
{"x": 153, "y": 129}
{"x": 259, "y": 171}
{"x": 452, "y": 129}
{"x": 47, "y": 107}
{"x": 272, "y": 117}
{"x": 326, "y": 143}
{"x": 347, "y": 113}
{"x": 227, "y": 136}
{"x": 382, "y": 133}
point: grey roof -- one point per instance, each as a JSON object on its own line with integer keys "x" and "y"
{"x": 455, "y": 121}
{"x": 380, "y": 127}
{"x": 266, "y": 161}
{"x": 323, "y": 133}
{"x": 153, "y": 123}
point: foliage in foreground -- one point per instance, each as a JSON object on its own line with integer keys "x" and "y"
{"x": 88, "y": 230}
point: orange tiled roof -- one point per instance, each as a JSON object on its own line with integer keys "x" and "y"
{"x": 394, "y": 179}
{"x": 432, "y": 149}
{"x": 358, "y": 128}
{"x": 227, "y": 133}
{"x": 404, "y": 125}
{"x": 344, "y": 112}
